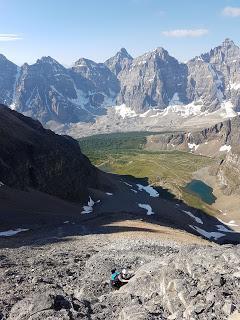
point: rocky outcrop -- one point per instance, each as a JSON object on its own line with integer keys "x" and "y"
{"x": 71, "y": 281}
{"x": 224, "y": 134}
{"x": 229, "y": 174}
{"x": 219, "y": 141}
{"x": 33, "y": 157}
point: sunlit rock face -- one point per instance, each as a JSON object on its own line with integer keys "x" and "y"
{"x": 50, "y": 92}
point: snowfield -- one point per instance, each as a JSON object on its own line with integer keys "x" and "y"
{"x": 225, "y": 148}
{"x": 193, "y": 146}
{"x": 11, "y": 233}
{"x": 150, "y": 190}
{"x": 215, "y": 235}
{"x": 146, "y": 207}
{"x": 190, "y": 214}
{"x": 124, "y": 111}
{"x": 89, "y": 207}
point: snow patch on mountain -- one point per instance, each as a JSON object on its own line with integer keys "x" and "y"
{"x": 225, "y": 148}
{"x": 10, "y": 233}
{"x": 146, "y": 207}
{"x": 14, "y": 96}
{"x": 150, "y": 190}
{"x": 208, "y": 234}
{"x": 231, "y": 223}
{"x": 222, "y": 228}
{"x": 193, "y": 146}
{"x": 143, "y": 115}
{"x": 89, "y": 207}
{"x": 175, "y": 100}
{"x": 234, "y": 85}
{"x": 227, "y": 109}
{"x": 190, "y": 214}
{"x": 191, "y": 109}
{"x": 125, "y": 112}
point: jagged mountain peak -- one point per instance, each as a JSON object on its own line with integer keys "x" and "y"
{"x": 228, "y": 42}
{"x": 3, "y": 59}
{"x": 118, "y": 62}
{"x": 48, "y": 60}
{"x": 121, "y": 54}
{"x": 224, "y": 53}
{"x": 160, "y": 50}
{"x": 158, "y": 53}
{"x": 124, "y": 54}
{"x": 47, "y": 90}
{"x": 49, "y": 65}
{"x": 84, "y": 62}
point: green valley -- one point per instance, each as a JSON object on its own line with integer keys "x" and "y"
{"x": 124, "y": 153}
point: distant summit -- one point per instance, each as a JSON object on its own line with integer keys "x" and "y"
{"x": 118, "y": 62}
{"x": 53, "y": 94}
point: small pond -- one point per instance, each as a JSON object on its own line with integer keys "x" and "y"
{"x": 202, "y": 190}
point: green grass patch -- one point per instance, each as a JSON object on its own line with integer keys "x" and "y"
{"x": 124, "y": 153}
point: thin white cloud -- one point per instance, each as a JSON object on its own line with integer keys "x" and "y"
{"x": 183, "y": 33}
{"x": 231, "y": 11}
{"x": 9, "y": 37}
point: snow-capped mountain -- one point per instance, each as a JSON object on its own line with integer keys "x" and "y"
{"x": 50, "y": 92}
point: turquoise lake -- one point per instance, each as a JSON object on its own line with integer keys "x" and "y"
{"x": 202, "y": 190}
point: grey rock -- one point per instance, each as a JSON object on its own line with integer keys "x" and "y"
{"x": 119, "y": 62}
{"x": 56, "y": 95}
{"x": 8, "y": 74}
{"x": 228, "y": 308}
{"x": 152, "y": 81}
{"x": 152, "y": 293}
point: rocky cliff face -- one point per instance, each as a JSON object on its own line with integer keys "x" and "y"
{"x": 119, "y": 62}
{"x": 32, "y": 157}
{"x": 47, "y": 91}
{"x": 8, "y": 73}
{"x": 50, "y": 92}
{"x": 229, "y": 173}
{"x": 214, "y": 76}
{"x": 103, "y": 86}
{"x": 225, "y": 134}
{"x": 220, "y": 141}
{"x": 153, "y": 80}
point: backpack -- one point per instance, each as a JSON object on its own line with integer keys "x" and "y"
{"x": 114, "y": 276}
{"x": 114, "y": 279}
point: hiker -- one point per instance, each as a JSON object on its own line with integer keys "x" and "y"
{"x": 118, "y": 279}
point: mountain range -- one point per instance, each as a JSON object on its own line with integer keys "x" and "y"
{"x": 50, "y": 92}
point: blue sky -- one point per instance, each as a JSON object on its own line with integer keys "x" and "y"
{"x": 97, "y": 29}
